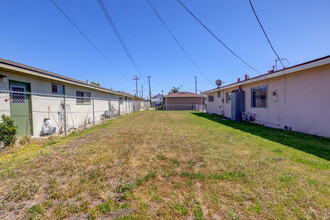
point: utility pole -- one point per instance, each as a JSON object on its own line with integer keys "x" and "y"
{"x": 196, "y": 84}
{"x": 136, "y": 78}
{"x": 149, "y": 89}
{"x": 142, "y": 91}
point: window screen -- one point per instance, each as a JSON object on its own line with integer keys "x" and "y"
{"x": 259, "y": 96}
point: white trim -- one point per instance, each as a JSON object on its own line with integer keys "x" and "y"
{"x": 276, "y": 74}
{"x": 33, "y": 73}
{"x": 185, "y": 96}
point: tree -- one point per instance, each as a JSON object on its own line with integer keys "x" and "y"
{"x": 175, "y": 89}
{"x": 95, "y": 83}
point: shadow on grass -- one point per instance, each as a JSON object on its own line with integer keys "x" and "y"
{"x": 319, "y": 146}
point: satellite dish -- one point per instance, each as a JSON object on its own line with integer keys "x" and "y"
{"x": 218, "y": 82}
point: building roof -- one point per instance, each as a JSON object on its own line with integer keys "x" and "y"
{"x": 14, "y": 66}
{"x": 303, "y": 66}
{"x": 184, "y": 95}
{"x": 125, "y": 94}
{"x": 157, "y": 96}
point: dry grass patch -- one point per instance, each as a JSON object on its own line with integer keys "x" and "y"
{"x": 168, "y": 165}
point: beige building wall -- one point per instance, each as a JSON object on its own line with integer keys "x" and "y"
{"x": 302, "y": 102}
{"x": 215, "y": 107}
{"x": 219, "y": 107}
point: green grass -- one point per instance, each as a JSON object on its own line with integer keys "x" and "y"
{"x": 168, "y": 165}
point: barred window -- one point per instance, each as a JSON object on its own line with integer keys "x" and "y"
{"x": 83, "y": 97}
{"x": 211, "y": 98}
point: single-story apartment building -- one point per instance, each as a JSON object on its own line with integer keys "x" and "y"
{"x": 31, "y": 95}
{"x": 295, "y": 98}
{"x": 183, "y": 101}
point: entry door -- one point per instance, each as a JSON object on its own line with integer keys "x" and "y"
{"x": 20, "y": 108}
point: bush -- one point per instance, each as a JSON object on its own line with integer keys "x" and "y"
{"x": 24, "y": 140}
{"x": 8, "y": 130}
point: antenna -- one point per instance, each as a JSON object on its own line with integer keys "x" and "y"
{"x": 286, "y": 61}
{"x": 218, "y": 82}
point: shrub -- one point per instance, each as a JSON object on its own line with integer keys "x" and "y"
{"x": 24, "y": 140}
{"x": 8, "y": 130}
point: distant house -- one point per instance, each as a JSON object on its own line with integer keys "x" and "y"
{"x": 183, "y": 101}
{"x": 296, "y": 98}
{"x": 157, "y": 99}
{"x": 39, "y": 95}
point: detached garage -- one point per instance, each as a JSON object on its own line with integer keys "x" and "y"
{"x": 183, "y": 101}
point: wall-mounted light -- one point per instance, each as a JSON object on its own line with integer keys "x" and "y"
{"x": 275, "y": 95}
{"x": 3, "y": 78}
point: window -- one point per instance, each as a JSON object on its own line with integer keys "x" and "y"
{"x": 18, "y": 97}
{"x": 219, "y": 94}
{"x": 228, "y": 97}
{"x": 83, "y": 97}
{"x": 58, "y": 89}
{"x": 211, "y": 98}
{"x": 259, "y": 96}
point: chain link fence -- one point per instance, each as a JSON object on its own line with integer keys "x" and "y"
{"x": 35, "y": 114}
{"x": 194, "y": 107}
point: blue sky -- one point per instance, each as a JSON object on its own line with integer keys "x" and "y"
{"x": 35, "y": 33}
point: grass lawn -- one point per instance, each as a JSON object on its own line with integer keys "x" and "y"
{"x": 175, "y": 164}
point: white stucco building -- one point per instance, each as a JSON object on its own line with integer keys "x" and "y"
{"x": 84, "y": 102}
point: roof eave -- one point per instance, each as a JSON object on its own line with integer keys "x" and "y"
{"x": 43, "y": 75}
{"x": 300, "y": 67}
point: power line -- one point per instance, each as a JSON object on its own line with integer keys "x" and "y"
{"x": 82, "y": 33}
{"x": 201, "y": 23}
{"x": 265, "y": 34}
{"x": 176, "y": 40}
{"x": 115, "y": 30}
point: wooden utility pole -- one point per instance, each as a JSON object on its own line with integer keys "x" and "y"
{"x": 149, "y": 89}
{"x": 142, "y": 91}
{"x": 136, "y": 78}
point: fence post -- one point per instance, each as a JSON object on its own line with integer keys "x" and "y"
{"x": 64, "y": 115}
{"x": 126, "y": 107}
{"x": 110, "y": 109}
{"x": 93, "y": 111}
{"x": 119, "y": 105}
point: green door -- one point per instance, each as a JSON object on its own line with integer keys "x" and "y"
{"x": 20, "y": 108}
